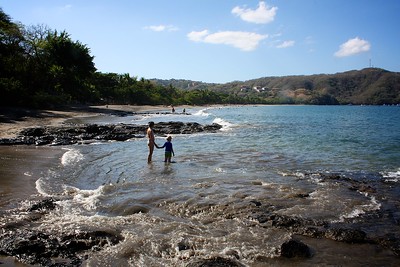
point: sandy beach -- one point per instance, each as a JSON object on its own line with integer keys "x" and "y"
{"x": 13, "y": 120}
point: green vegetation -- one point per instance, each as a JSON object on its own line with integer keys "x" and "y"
{"x": 40, "y": 67}
{"x": 370, "y": 86}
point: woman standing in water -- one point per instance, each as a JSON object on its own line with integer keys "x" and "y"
{"x": 151, "y": 141}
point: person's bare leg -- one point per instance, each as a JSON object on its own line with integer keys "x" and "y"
{"x": 151, "y": 149}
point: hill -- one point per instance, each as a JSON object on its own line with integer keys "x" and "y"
{"x": 370, "y": 86}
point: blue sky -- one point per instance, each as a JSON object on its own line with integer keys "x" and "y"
{"x": 224, "y": 40}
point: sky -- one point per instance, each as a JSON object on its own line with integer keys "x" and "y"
{"x": 220, "y": 41}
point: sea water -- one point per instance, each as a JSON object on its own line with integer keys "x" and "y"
{"x": 264, "y": 154}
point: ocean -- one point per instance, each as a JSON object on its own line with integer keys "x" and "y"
{"x": 339, "y": 165}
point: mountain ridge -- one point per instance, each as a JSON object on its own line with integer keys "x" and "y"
{"x": 374, "y": 86}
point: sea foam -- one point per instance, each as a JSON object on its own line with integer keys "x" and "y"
{"x": 362, "y": 209}
{"x": 392, "y": 176}
{"x": 70, "y": 157}
{"x": 201, "y": 112}
{"x": 225, "y": 124}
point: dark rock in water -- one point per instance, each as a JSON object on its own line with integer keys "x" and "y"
{"x": 215, "y": 262}
{"x": 295, "y": 248}
{"x": 67, "y": 135}
{"x": 38, "y": 248}
{"x": 255, "y": 202}
{"x": 33, "y": 132}
{"x": 46, "y": 204}
{"x": 346, "y": 235}
{"x": 184, "y": 245}
{"x": 363, "y": 188}
{"x": 392, "y": 242}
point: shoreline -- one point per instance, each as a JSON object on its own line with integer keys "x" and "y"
{"x": 14, "y": 120}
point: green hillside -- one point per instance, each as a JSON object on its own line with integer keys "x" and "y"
{"x": 368, "y": 86}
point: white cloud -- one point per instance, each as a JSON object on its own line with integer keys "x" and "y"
{"x": 262, "y": 15}
{"x": 197, "y": 36}
{"x": 353, "y": 47}
{"x": 161, "y": 28}
{"x": 286, "y": 44}
{"x": 246, "y": 41}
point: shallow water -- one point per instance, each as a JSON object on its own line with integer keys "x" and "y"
{"x": 264, "y": 154}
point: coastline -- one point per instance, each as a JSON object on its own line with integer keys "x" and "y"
{"x": 21, "y": 166}
{"x": 13, "y": 120}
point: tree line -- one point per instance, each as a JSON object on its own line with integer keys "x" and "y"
{"x": 41, "y": 67}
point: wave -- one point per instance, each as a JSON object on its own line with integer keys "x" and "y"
{"x": 361, "y": 209}
{"x": 71, "y": 156}
{"x": 225, "y": 124}
{"x": 202, "y": 112}
{"x": 88, "y": 199}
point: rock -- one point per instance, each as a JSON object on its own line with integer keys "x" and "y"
{"x": 215, "y": 262}
{"x": 392, "y": 242}
{"x": 39, "y": 248}
{"x": 295, "y": 248}
{"x": 67, "y": 135}
{"x": 346, "y": 235}
{"x": 46, "y": 204}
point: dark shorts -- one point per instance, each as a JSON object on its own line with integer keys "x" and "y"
{"x": 168, "y": 154}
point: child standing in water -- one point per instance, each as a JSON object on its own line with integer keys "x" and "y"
{"x": 169, "y": 151}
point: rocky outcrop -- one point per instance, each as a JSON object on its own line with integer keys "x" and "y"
{"x": 73, "y": 134}
{"x": 215, "y": 262}
{"x": 49, "y": 249}
{"x": 294, "y": 248}
{"x": 38, "y": 248}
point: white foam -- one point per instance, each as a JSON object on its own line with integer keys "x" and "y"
{"x": 44, "y": 186}
{"x": 83, "y": 198}
{"x": 225, "y": 125}
{"x": 362, "y": 209}
{"x": 201, "y": 112}
{"x": 39, "y": 187}
{"x": 71, "y": 156}
{"x": 392, "y": 176}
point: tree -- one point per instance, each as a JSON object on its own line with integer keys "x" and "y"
{"x": 11, "y": 62}
{"x": 69, "y": 66}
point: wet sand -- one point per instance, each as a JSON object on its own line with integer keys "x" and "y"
{"x": 20, "y": 167}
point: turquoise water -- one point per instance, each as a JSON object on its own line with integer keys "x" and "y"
{"x": 268, "y": 154}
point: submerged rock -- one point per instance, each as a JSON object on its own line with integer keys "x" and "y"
{"x": 38, "y": 248}
{"x": 215, "y": 262}
{"x": 346, "y": 235}
{"x": 295, "y": 248}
